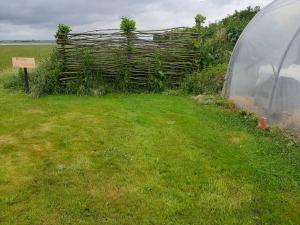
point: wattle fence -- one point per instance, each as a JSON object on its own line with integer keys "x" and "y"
{"x": 141, "y": 59}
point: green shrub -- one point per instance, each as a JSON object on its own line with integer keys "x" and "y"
{"x": 127, "y": 25}
{"x": 45, "y": 79}
{"x": 218, "y": 39}
{"x": 62, "y": 32}
{"x": 236, "y": 23}
{"x": 200, "y": 20}
{"x": 14, "y": 80}
{"x": 207, "y": 81}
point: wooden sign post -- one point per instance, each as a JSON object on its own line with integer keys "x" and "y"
{"x": 25, "y": 63}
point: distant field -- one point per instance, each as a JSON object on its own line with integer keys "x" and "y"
{"x": 9, "y": 51}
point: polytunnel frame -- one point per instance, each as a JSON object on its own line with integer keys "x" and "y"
{"x": 228, "y": 78}
{"x": 277, "y": 75}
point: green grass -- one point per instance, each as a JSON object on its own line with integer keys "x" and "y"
{"x": 9, "y": 51}
{"x": 140, "y": 159}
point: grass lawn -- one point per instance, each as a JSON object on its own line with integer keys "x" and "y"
{"x": 140, "y": 159}
{"x": 9, "y": 51}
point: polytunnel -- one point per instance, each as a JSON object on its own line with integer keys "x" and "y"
{"x": 264, "y": 71}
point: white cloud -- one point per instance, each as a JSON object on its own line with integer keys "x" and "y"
{"x": 37, "y": 19}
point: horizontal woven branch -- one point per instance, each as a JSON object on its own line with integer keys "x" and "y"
{"x": 143, "y": 58}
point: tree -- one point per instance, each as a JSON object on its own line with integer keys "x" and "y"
{"x": 127, "y": 25}
{"x": 62, "y": 31}
{"x": 200, "y": 20}
{"x": 61, "y": 36}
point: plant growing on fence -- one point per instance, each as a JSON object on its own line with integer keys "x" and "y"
{"x": 158, "y": 77}
{"x": 200, "y": 20}
{"x": 62, "y": 32}
{"x": 127, "y": 26}
{"x": 61, "y": 36}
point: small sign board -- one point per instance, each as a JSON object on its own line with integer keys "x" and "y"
{"x": 20, "y": 62}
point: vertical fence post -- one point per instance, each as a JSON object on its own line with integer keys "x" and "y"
{"x": 26, "y": 79}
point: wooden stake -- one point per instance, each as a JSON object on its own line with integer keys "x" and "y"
{"x": 26, "y": 80}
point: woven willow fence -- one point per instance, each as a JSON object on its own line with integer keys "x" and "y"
{"x": 141, "y": 59}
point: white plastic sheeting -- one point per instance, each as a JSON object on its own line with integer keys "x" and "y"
{"x": 264, "y": 72}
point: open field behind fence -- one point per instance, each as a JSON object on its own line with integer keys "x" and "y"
{"x": 9, "y": 51}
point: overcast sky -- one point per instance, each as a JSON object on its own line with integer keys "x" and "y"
{"x": 37, "y": 19}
